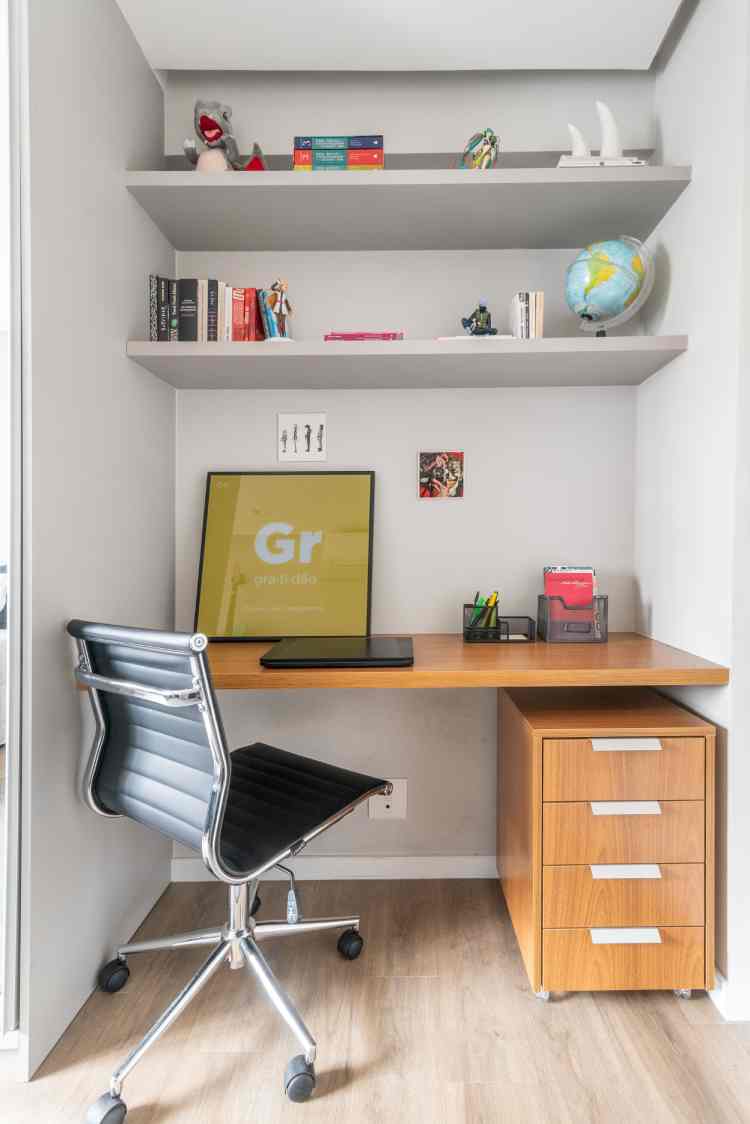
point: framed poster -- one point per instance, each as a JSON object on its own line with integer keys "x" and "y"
{"x": 286, "y": 554}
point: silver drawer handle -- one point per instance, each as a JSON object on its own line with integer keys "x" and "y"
{"x": 617, "y": 745}
{"x": 626, "y": 807}
{"x": 625, "y": 936}
{"x": 626, "y": 870}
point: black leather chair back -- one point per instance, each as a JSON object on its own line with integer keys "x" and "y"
{"x": 155, "y": 764}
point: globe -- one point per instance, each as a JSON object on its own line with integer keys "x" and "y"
{"x": 608, "y": 282}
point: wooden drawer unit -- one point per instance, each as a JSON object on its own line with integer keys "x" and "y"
{"x": 605, "y": 838}
{"x": 573, "y": 962}
{"x": 613, "y": 831}
{"x": 632, "y": 894}
{"x": 624, "y": 769}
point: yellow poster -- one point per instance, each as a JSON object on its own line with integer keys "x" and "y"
{"x": 286, "y": 554}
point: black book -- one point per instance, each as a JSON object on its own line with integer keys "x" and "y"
{"x": 212, "y": 319}
{"x": 163, "y": 308}
{"x": 187, "y": 309}
{"x": 173, "y": 313}
{"x": 153, "y": 308}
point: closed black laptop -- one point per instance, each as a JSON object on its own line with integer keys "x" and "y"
{"x": 341, "y": 651}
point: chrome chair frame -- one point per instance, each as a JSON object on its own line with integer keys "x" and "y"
{"x": 236, "y": 943}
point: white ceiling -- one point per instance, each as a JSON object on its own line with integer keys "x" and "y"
{"x": 399, "y": 34}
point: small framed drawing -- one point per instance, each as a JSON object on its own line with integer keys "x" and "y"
{"x": 302, "y": 437}
{"x": 441, "y": 476}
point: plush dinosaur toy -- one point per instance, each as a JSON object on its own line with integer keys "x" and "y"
{"x": 213, "y": 124}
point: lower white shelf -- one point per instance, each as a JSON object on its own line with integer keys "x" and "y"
{"x": 415, "y": 364}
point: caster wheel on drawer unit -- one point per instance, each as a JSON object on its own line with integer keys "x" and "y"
{"x": 113, "y": 977}
{"x": 107, "y": 1110}
{"x": 543, "y": 996}
{"x": 683, "y": 992}
{"x": 299, "y": 1079}
{"x": 350, "y": 944}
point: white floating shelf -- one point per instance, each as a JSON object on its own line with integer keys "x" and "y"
{"x": 407, "y": 209}
{"x": 398, "y": 364}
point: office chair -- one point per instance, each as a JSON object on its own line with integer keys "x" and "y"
{"x": 160, "y": 756}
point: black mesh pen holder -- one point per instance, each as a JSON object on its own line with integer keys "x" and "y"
{"x": 484, "y": 625}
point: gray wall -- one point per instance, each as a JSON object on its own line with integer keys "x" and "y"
{"x": 99, "y": 484}
{"x": 549, "y": 477}
{"x": 692, "y": 430}
{"x": 549, "y": 474}
{"x": 425, "y": 112}
{"x": 424, "y": 293}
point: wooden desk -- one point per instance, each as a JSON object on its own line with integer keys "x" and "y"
{"x": 443, "y": 660}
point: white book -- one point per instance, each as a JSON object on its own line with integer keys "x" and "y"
{"x": 227, "y": 314}
{"x": 202, "y": 310}
{"x": 220, "y": 312}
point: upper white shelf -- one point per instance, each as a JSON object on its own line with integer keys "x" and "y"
{"x": 400, "y": 364}
{"x": 407, "y": 209}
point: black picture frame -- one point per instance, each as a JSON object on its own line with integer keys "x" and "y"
{"x": 369, "y": 473}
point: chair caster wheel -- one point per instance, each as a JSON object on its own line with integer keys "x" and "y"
{"x": 113, "y": 977}
{"x": 107, "y": 1110}
{"x": 543, "y": 996}
{"x": 299, "y": 1079}
{"x": 257, "y": 903}
{"x": 350, "y": 944}
{"x": 683, "y": 992}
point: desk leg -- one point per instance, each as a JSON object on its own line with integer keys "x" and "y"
{"x": 519, "y": 831}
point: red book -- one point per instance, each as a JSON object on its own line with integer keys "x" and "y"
{"x": 576, "y": 585}
{"x": 253, "y": 317}
{"x": 238, "y": 315}
{"x": 363, "y": 157}
{"x": 333, "y": 336}
{"x": 303, "y": 156}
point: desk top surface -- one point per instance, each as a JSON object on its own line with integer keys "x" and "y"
{"x": 443, "y": 660}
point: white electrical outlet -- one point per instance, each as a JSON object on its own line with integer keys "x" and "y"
{"x": 391, "y": 807}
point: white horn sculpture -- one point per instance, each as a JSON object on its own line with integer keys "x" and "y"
{"x": 580, "y": 148}
{"x": 610, "y": 153}
{"x": 610, "y": 147}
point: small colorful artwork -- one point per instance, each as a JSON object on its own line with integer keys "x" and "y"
{"x": 441, "y": 476}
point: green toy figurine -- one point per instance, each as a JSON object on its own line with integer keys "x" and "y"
{"x": 480, "y": 321}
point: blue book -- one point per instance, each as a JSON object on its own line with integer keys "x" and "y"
{"x": 321, "y": 142}
{"x": 269, "y": 322}
{"x": 374, "y": 140}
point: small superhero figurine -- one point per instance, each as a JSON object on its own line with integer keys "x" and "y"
{"x": 480, "y": 321}
{"x": 481, "y": 151}
{"x": 278, "y": 305}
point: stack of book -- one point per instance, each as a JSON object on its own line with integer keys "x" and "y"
{"x": 354, "y": 154}
{"x": 527, "y": 315}
{"x": 207, "y": 311}
{"x": 332, "y": 337}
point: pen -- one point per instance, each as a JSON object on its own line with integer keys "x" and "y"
{"x": 478, "y": 609}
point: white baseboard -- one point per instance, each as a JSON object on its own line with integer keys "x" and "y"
{"x": 342, "y": 867}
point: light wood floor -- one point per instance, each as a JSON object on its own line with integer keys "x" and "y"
{"x": 435, "y": 1024}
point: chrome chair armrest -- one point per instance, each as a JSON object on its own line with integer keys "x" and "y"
{"x": 189, "y": 696}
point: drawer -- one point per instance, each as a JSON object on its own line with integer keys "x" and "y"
{"x": 573, "y": 834}
{"x": 631, "y": 894}
{"x": 624, "y": 769}
{"x": 571, "y": 961}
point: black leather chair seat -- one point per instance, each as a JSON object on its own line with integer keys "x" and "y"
{"x": 276, "y": 798}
